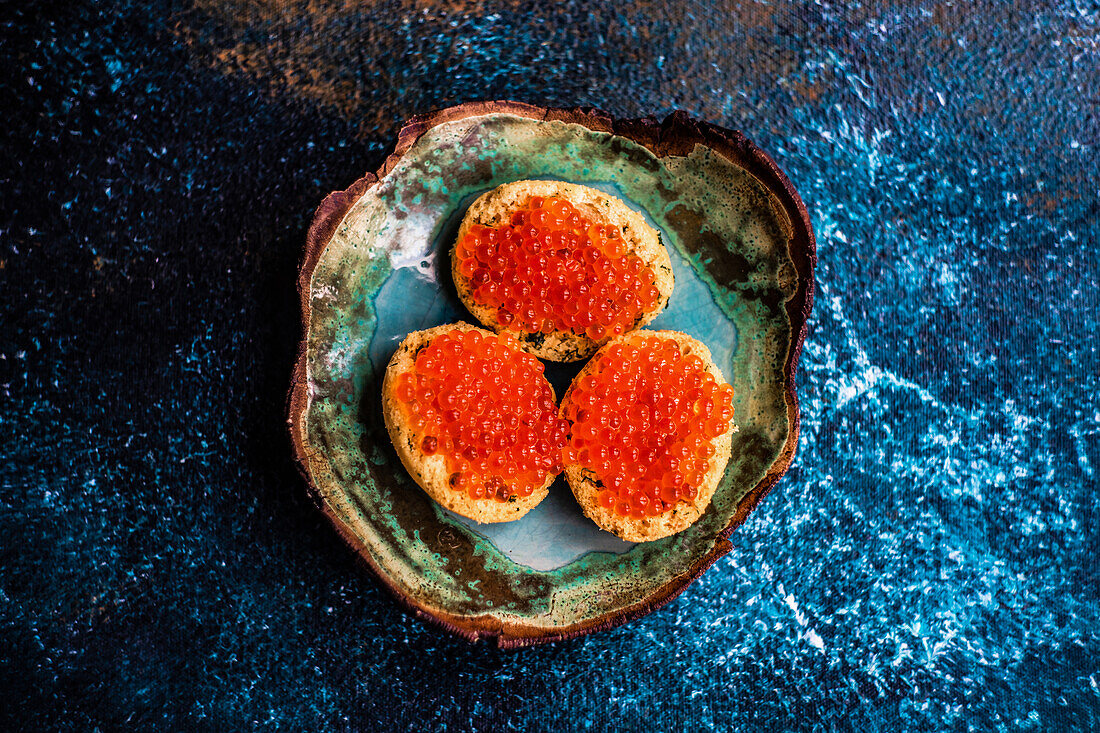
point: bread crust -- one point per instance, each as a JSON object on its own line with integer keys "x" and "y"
{"x": 583, "y": 481}
{"x": 495, "y": 208}
{"x": 430, "y": 472}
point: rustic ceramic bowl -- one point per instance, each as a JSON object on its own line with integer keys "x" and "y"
{"x": 376, "y": 268}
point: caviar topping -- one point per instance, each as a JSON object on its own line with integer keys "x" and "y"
{"x": 642, "y": 418}
{"x": 550, "y": 268}
{"x": 486, "y": 407}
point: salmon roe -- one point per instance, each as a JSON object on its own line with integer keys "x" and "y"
{"x": 486, "y": 407}
{"x": 642, "y": 418}
{"x": 551, "y": 269}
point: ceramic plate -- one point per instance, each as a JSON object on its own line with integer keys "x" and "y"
{"x": 376, "y": 267}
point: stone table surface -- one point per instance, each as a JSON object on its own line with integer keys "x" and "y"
{"x": 929, "y": 563}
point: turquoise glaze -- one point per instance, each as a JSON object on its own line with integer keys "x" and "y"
{"x": 385, "y": 272}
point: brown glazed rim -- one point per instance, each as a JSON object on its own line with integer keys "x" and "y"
{"x": 677, "y": 135}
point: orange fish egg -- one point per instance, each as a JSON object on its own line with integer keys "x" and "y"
{"x": 486, "y": 407}
{"x": 551, "y": 268}
{"x": 642, "y": 418}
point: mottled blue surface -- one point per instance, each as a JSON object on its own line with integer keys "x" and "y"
{"x": 930, "y": 562}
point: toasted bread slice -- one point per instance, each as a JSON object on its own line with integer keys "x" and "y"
{"x": 683, "y": 513}
{"x": 431, "y": 471}
{"x": 496, "y": 208}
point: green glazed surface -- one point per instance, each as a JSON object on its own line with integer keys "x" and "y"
{"x": 385, "y": 273}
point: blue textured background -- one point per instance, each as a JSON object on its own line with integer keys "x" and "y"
{"x": 930, "y": 562}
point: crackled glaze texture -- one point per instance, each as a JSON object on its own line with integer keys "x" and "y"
{"x": 384, "y": 272}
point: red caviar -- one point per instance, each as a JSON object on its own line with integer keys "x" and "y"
{"x": 551, "y": 268}
{"x": 642, "y": 418}
{"x": 486, "y": 407}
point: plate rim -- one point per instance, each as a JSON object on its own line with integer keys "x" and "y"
{"x": 676, "y": 135}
